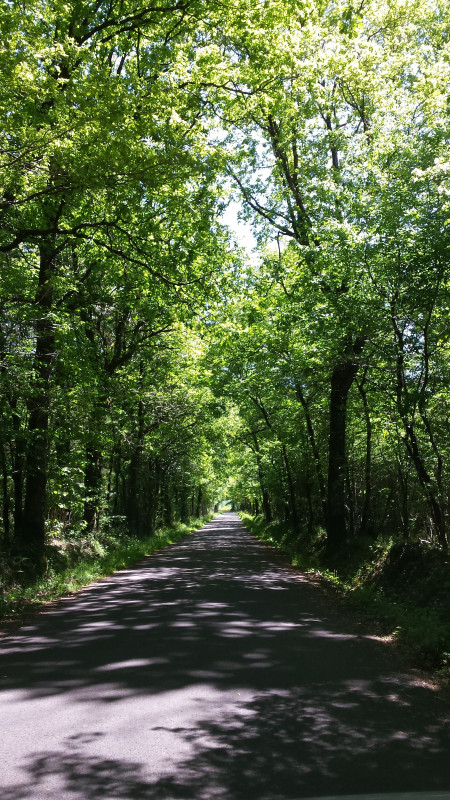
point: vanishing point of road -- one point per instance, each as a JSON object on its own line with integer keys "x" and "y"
{"x": 211, "y": 671}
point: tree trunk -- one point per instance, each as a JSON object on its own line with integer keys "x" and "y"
{"x": 17, "y": 456}
{"x": 117, "y": 470}
{"x": 184, "y": 506}
{"x": 33, "y": 530}
{"x": 404, "y": 509}
{"x": 166, "y": 497}
{"x": 153, "y": 488}
{"x": 315, "y": 451}
{"x": 264, "y": 492}
{"x": 292, "y": 499}
{"x": 6, "y": 498}
{"x": 92, "y": 484}
{"x": 94, "y": 462}
{"x": 425, "y": 481}
{"x": 134, "y": 511}
{"x": 365, "y": 525}
{"x": 198, "y": 508}
{"x": 342, "y": 378}
{"x": 310, "y": 510}
{"x": 406, "y": 412}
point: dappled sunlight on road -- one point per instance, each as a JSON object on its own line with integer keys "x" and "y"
{"x": 211, "y": 670}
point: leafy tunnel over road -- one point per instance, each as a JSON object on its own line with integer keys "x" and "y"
{"x": 210, "y": 670}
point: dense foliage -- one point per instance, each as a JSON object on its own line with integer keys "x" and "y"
{"x": 337, "y": 355}
{"x": 147, "y": 370}
{"x": 109, "y": 247}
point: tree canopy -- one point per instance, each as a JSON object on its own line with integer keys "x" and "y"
{"x": 149, "y": 367}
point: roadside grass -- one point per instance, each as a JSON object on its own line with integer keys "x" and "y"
{"x": 403, "y": 589}
{"x": 98, "y": 558}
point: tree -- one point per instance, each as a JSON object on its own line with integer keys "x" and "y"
{"x": 309, "y": 109}
{"x": 107, "y": 181}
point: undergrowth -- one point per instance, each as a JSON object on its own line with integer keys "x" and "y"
{"x": 403, "y": 588}
{"x": 92, "y": 559}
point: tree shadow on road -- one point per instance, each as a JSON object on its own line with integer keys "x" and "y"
{"x": 278, "y": 746}
{"x": 235, "y": 670}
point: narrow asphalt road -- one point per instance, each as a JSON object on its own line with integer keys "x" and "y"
{"x": 210, "y": 671}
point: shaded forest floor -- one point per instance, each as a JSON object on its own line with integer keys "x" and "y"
{"x": 77, "y": 562}
{"x": 403, "y": 588}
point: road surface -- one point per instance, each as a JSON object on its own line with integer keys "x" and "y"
{"x": 210, "y": 671}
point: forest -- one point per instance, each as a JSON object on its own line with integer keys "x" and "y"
{"x": 152, "y": 368}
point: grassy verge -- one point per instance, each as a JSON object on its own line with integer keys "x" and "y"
{"x": 99, "y": 560}
{"x": 402, "y": 588}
